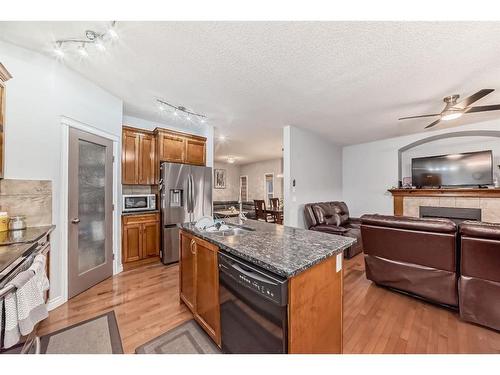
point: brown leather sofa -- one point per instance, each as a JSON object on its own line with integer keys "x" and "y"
{"x": 415, "y": 256}
{"x": 479, "y": 283}
{"x": 333, "y": 217}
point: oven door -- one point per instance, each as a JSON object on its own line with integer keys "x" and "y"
{"x": 250, "y": 324}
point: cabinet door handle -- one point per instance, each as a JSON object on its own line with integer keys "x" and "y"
{"x": 193, "y": 247}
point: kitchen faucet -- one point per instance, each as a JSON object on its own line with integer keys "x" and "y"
{"x": 241, "y": 215}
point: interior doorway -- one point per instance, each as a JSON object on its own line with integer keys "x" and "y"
{"x": 90, "y": 210}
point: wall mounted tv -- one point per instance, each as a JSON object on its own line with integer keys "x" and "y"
{"x": 465, "y": 169}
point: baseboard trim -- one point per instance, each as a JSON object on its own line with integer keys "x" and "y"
{"x": 55, "y": 302}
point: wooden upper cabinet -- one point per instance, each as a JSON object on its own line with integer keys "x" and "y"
{"x": 195, "y": 151}
{"x": 147, "y": 159}
{"x": 172, "y": 147}
{"x": 4, "y": 77}
{"x": 142, "y": 150}
{"x": 138, "y": 157}
{"x": 183, "y": 148}
{"x": 130, "y": 157}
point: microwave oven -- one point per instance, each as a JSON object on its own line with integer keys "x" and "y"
{"x": 139, "y": 202}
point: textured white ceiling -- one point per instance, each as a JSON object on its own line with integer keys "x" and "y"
{"x": 349, "y": 81}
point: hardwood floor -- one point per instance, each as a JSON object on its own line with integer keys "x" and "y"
{"x": 376, "y": 320}
{"x": 145, "y": 300}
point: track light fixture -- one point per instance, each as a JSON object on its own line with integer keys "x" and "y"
{"x": 163, "y": 105}
{"x": 92, "y": 38}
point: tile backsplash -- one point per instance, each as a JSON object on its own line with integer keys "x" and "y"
{"x": 136, "y": 189}
{"x": 30, "y": 198}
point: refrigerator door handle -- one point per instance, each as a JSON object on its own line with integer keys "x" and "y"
{"x": 190, "y": 194}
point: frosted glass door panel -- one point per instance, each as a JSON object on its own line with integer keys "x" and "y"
{"x": 91, "y": 205}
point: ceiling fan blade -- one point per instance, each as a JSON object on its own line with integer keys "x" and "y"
{"x": 406, "y": 118}
{"x": 433, "y": 124}
{"x": 473, "y": 98}
{"x": 483, "y": 108}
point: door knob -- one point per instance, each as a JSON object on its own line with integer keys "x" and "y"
{"x": 75, "y": 220}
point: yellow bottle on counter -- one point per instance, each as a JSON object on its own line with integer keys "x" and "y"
{"x": 4, "y": 222}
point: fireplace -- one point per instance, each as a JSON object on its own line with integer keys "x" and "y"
{"x": 456, "y": 214}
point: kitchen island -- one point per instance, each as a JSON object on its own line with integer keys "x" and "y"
{"x": 309, "y": 264}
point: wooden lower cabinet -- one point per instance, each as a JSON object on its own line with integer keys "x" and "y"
{"x": 314, "y": 298}
{"x": 315, "y": 309}
{"x": 187, "y": 270}
{"x": 140, "y": 237}
{"x": 199, "y": 282}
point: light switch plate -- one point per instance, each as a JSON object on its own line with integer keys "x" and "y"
{"x": 339, "y": 261}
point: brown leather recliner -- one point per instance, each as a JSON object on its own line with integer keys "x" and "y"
{"x": 333, "y": 217}
{"x": 415, "y": 256}
{"x": 479, "y": 283}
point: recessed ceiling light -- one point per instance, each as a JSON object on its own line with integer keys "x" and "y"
{"x": 59, "y": 52}
{"x": 100, "y": 46}
{"x": 112, "y": 33}
{"x": 82, "y": 51}
{"x": 222, "y": 138}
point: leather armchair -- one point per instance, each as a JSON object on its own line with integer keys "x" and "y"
{"x": 414, "y": 256}
{"x": 479, "y": 283}
{"x": 333, "y": 218}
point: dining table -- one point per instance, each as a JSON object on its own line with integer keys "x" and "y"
{"x": 228, "y": 213}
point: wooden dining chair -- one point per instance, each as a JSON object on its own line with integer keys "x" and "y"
{"x": 260, "y": 210}
{"x": 275, "y": 206}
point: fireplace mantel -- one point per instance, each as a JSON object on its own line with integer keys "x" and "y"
{"x": 400, "y": 194}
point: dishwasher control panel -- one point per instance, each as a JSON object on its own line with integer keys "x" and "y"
{"x": 268, "y": 285}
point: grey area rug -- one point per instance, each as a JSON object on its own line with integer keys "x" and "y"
{"x": 188, "y": 338}
{"x": 98, "y": 335}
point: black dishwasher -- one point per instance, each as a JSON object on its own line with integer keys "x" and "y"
{"x": 253, "y": 308}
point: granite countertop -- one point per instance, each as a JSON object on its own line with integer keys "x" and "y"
{"x": 285, "y": 251}
{"x": 15, "y": 244}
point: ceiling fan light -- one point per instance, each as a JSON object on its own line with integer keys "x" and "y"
{"x": 451, "y": 115}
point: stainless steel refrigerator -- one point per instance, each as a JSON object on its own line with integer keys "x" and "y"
{"x": 185, "y": 196}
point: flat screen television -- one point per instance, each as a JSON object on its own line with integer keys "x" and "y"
{"x": 465, "y": 169}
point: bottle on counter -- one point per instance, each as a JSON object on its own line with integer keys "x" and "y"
{"x": 4, "y": 222}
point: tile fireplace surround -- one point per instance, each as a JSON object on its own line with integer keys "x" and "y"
{"x": 408, "y": 203}
{"x": 490, "y": 207}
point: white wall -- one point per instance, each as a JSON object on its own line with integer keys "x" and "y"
{"x": 232, "y": 190}
{"x": 370, "y": 169}
{"x": 316, "y": 166}
{"x": 206, "y": 131}
{"x": 40, "y": 92}
{"x": 256, "y": 180}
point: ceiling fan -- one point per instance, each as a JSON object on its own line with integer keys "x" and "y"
{"x": 453, "y": 110}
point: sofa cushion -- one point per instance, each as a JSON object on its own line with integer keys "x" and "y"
{"x": 330, "y": 229}
{"x": 480, "y": 229}
{"x": 410, "y": 223}
{"x": 341, "y": 213}
{"x": 331, "y": 220}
